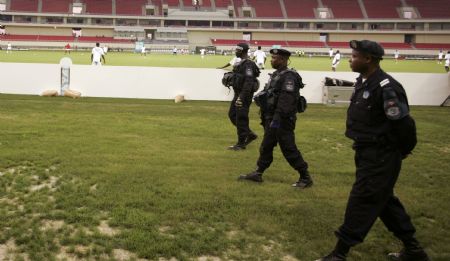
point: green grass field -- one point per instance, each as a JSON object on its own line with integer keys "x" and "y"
{"x": 123, "y": 179}
{"x": 194, "y": 61}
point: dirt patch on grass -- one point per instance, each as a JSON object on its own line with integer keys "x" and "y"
{"x": 289, "y": 258}
{"x": 105, "y": 229}
{"x": 124, "y": 255}
{"x": 52, "y": 224}
{"x": 209, "y": 258}
{"x": 50, "y": 184}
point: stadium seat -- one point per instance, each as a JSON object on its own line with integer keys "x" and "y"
{"x": 266, "y": 8}
{"x": 52, "y": 6}
{"x": 432, "y": 46}
{"x": 338, "y": 44}
{"x": 223, "y": 3}
{"x": 344, "y": 8}
{"x": 382, "y": 8}
{"x": 130, "y": 7}
{"x": 98, "y": 6}
{"x": 306, "y": 44}
{"x": 396, "y": 45}
{"x": 431, "y": 8}
{"x": 238, "y": 4}
{"x": 300, "y": 8}
{"x": 24, "y": 5}
{"x": 173, "y": 3}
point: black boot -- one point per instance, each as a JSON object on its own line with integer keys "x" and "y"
{"x": 237, "y": 146}
{"x": 251, "y": 137}
{"x": 255, "y": 176}
{"x": 304, "y": 181}
{"x": 339, "y": 253}
{"x": 412, "y": 251}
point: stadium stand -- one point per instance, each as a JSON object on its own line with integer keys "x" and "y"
{"x": 432, "y": 46}
{"x": 190, "y": 4}
{"x": 130, "y": 7}
{"x": 344, "y": 8}
{"x": 300, "y": 8}
{"x": 172, "y": 3}
{"x": 52, "y": 6}
{"x": 270, "y": 43}
{"x": 223, "y": 3}
{"x": 266, "y": 8}
{"x": 24, "y": 5}
{"x": 431, "y": 8}
{"x": 382, "y": 8}
{"x": 238, "y": 4}
{"x": 305, "y": 44}
{"x": 396, "y": 45}
{"x": 59, "y": 38}
{"x": 98, "y": 6}
{"x": 158, "y": 4}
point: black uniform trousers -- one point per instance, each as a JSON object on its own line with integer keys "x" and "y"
{"x": 372, "y": 196}
{"x": 239, "y": 117}
{"x": 284, "y": 135}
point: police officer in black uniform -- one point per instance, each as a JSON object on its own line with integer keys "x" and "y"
{"x": 384, "y": 133}
{"x": 244, "y": 84}
{"x": 278, "y": 102}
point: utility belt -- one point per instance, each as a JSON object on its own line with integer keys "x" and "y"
{"x": 236, "y": 80}
{"x": 267, "y": 99}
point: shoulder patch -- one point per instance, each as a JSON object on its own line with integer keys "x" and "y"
{"x": 289, "y": 85}
{"x": 384, "y": 82}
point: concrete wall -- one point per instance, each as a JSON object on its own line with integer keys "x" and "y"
{"x": 432, "y": 38}
{"x": 195, "y": 84}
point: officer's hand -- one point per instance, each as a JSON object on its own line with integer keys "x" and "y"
{"x": 238, "y": 102}
{"x": 274, "y": 124}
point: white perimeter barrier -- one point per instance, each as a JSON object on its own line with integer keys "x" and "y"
{"x": 193, "y": 83}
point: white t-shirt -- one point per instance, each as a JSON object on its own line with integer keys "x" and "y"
{"x": 97, "y": 53}
{"x": 9, "y": 46}
{"x": 336, "y": 60}
{"x": 330, "y": 52}
{"x": 105, "y": 49}
{"x": 235, "y": 61}
{"x": 202, "y": 51}
{"x": 143, "y": 49}
{"x": 396, "y": 54}
{"x": 260, "y": 55}
{"x": 441, "y": 55}
{"x": 447, "y": 59}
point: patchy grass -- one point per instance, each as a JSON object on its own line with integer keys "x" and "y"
{"x": 129, "y": 179}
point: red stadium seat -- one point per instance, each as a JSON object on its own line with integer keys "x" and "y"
{"x": 306, "y": 44}
{"x": 300, "y": 8}
{"x": 382, "y": 8}
{"x": 344, "y": 8}
{"x": 24, "y": 5}
{"x": 223, "y": 3}
{"x": 52, "y": 6}
{"x": 432, "y": 46}
{"x": 130, "y": 7}
{"x": 98, "y": 6}
{"x": 266, "y": 8}
{"x": 431, "y": 8}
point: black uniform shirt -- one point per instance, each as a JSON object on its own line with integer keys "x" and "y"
{"x": 376, "y": 104}
{"x": 247, "y": 72}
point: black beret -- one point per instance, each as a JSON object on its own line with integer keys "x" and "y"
{"x": 282, "y": 52}
{"x": 369, "y": 47}
{"x": 242, "y": 46}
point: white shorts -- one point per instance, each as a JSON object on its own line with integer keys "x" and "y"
{"x": 336, "y": 64}
{"x": 447, "y": 63}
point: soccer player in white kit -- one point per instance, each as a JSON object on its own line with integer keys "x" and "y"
{"x": 97, "y": 55}
{"x": 440, "y": 56}
{"x": 336, "y": 61}
{"x": 143, "y": 51}
{"x": 447, "y": 61}
{"x": 235, "y": 61}
{"x": 330, "y": 53}
{"x": 396, "y": 55}
{"x": 202, "y": 53}
{"x": 260, "y": 57}
{"x": 9, "y": 48}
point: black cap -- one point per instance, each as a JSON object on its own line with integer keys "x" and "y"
{"x": 369, "y": 47}
{"x": 242, "y": 46}
{"x": 282, "y": 52}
